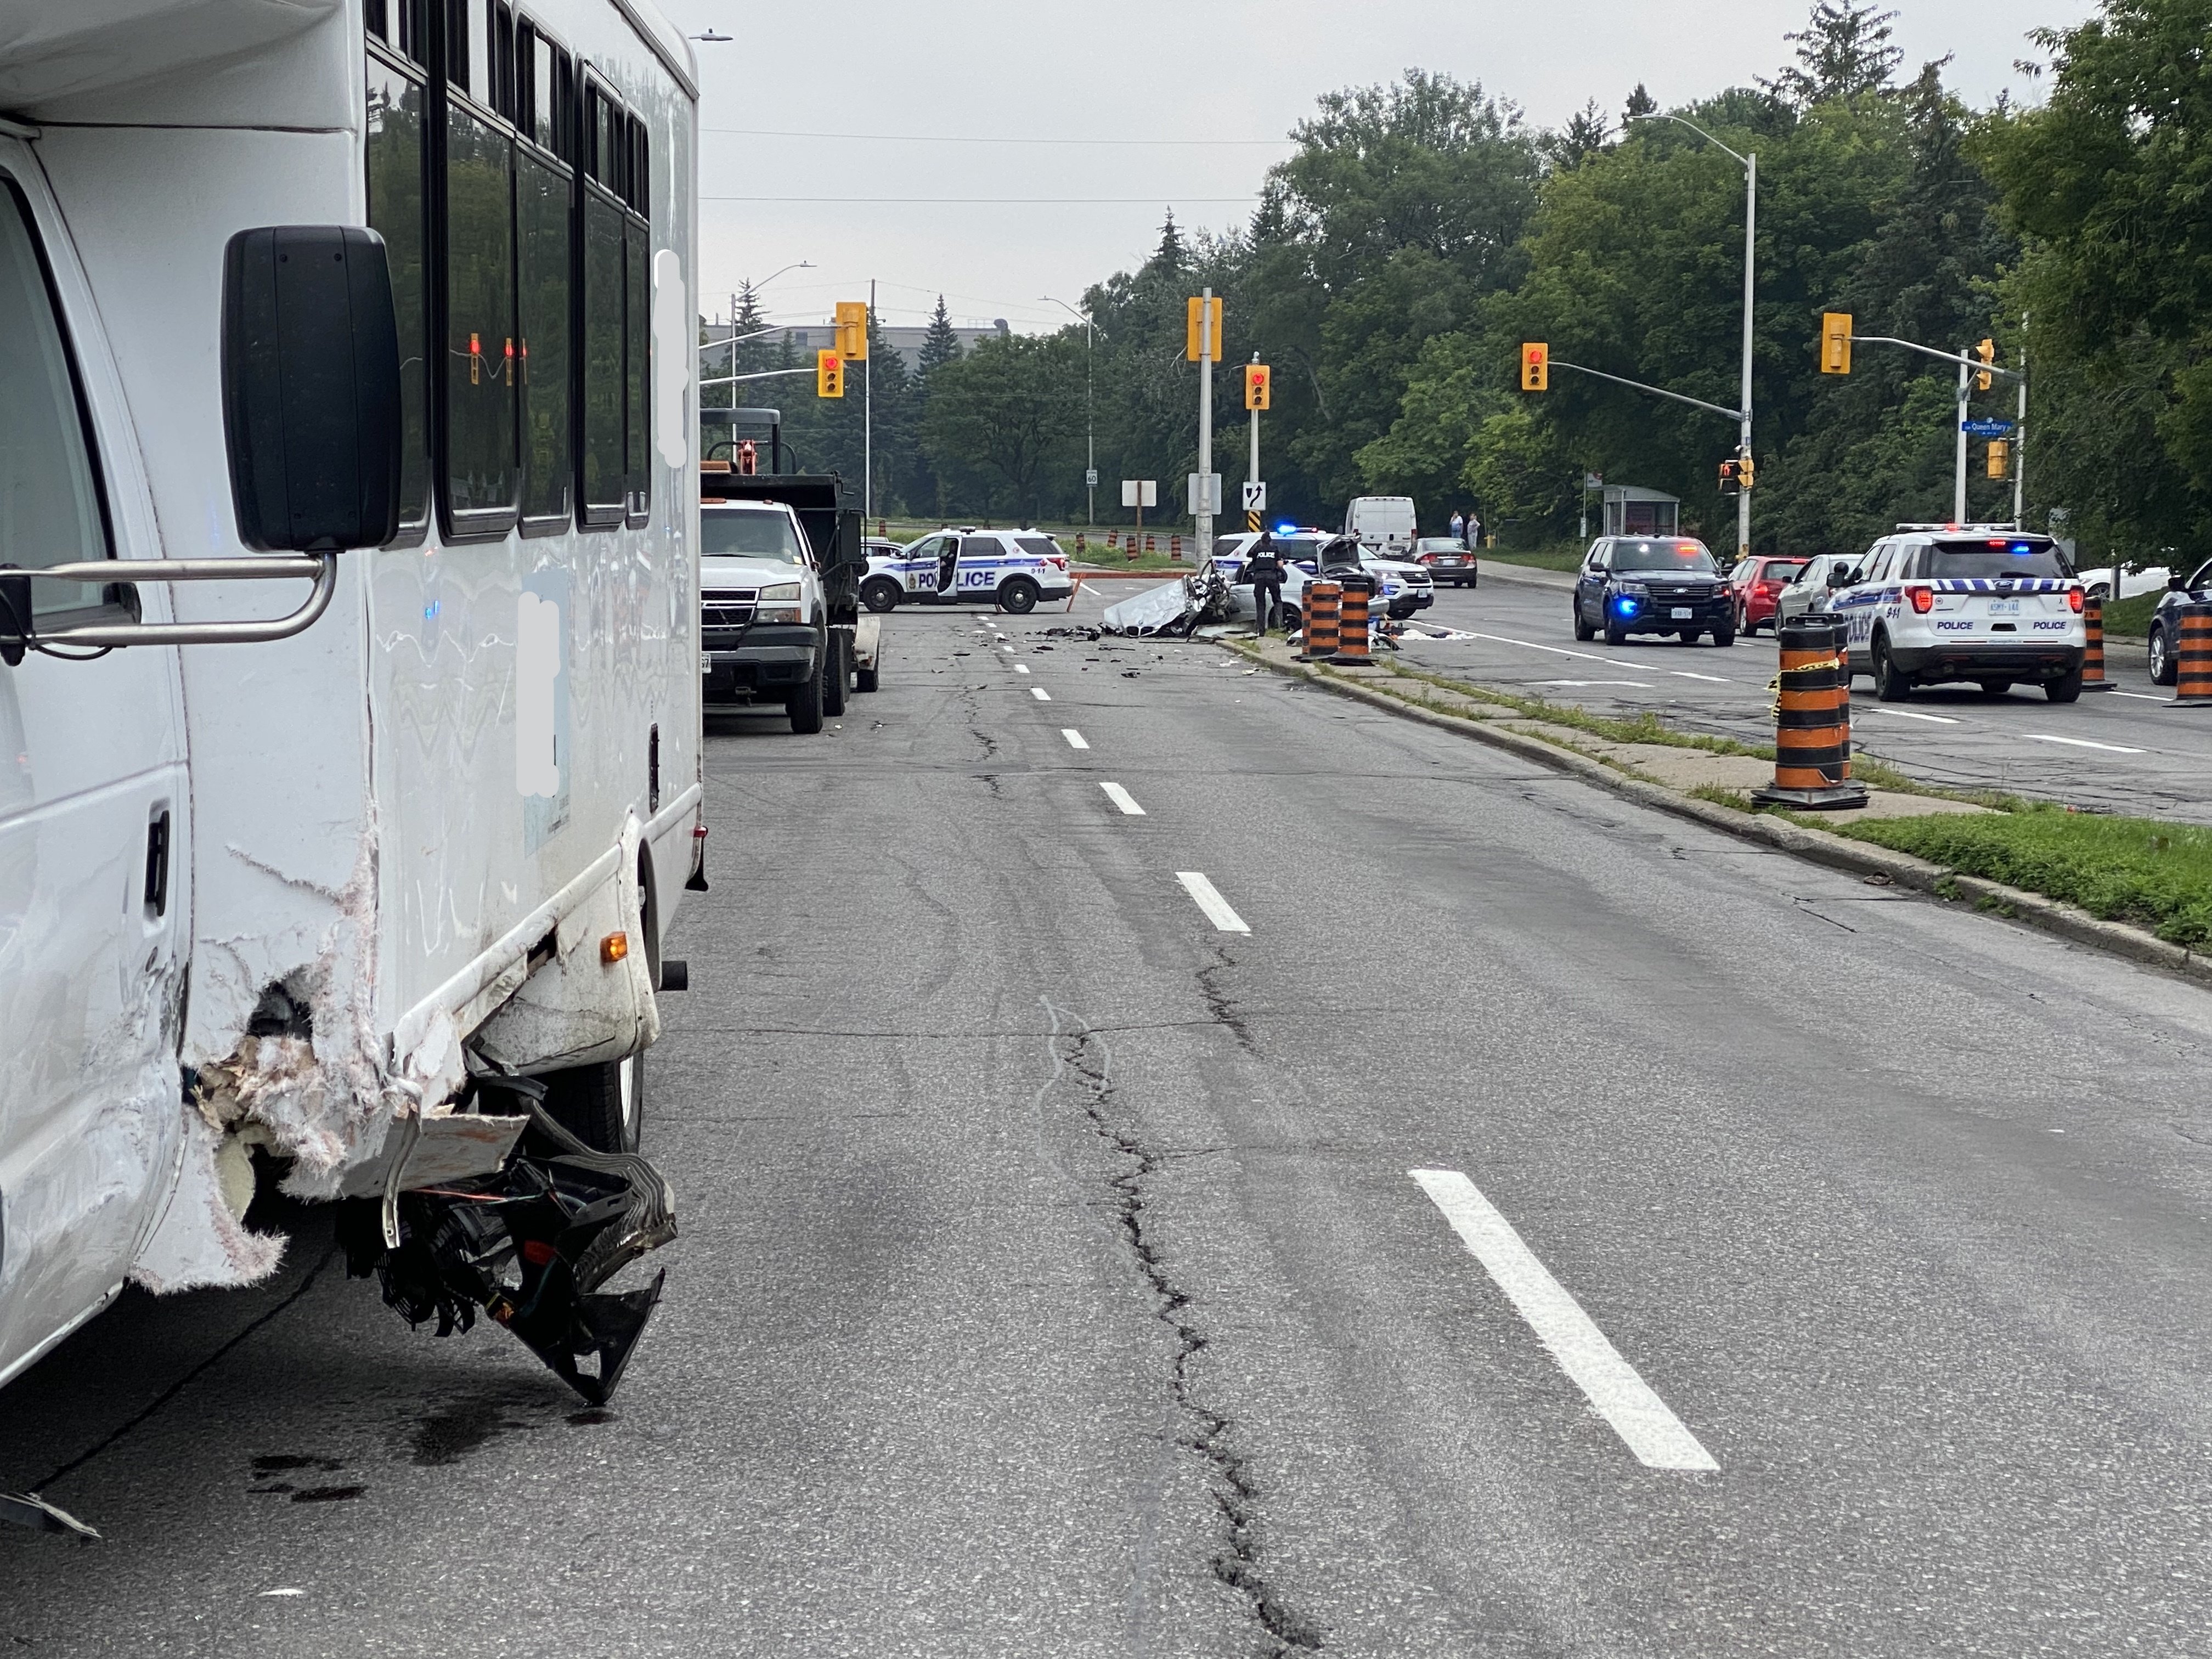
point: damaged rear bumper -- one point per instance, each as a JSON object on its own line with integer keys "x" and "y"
{"x": 530, "y": 1244}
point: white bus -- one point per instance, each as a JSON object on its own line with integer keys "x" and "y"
{"x": 311, "y": 883}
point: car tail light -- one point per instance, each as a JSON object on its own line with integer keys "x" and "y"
{"x": 1923, "y": 598}
{"x": 2074, "y": 598}
{"x": 1768, "y": 590}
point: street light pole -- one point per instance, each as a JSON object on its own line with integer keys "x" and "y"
{"x": 1090, "y": 425}
{"x": 1750, "y": 164}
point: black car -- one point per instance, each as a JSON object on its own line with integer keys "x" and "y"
{"x": 1652, "y": 585}
{"x": 2165, "y": 624}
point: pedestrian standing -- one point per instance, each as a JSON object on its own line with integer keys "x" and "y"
{"x": 1474, "y": 531}
{"x": 1459, "y": 528}
{"x": 1264, "y": 570}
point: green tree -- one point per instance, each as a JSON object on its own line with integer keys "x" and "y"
{"x": 1842, "y": 51}
{"x": 2106, "y": 183}
{"x": 1010, "y": 408}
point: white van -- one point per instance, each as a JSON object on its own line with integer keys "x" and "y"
{"x": 1383, "y": 523}
{"x": 346, "y": 884}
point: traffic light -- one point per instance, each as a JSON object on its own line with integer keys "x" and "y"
{"x": 851, "y": 331}
{"x": 1259, "y": 383}
{"x": 1745, "y": 474}
{"x": 1987, "y": 351}
{"x": 1731, "y": 484}
{"x": 2000, "y": 454}
{"x": 1536, "y": 367}
{"x": 1194, "y": 309}
{"x": 828, "y": 374}
{"x": 1835, "y": 343}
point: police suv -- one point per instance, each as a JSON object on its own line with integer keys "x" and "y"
{"x": 1010, "y": 569}
{"x": 1963, "y": 602}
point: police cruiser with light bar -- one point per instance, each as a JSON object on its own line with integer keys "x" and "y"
{"x": 1984, "y": 603}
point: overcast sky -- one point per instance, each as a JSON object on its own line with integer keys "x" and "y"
{"x": 983, "y": 85}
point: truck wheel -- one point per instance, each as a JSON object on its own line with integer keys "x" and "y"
{"x": 603, "y": 1105}
{"x": 805, "y": 705}
{"x": 1017, "y": 594}
{"x": 879, "y": 594}
{"x": 834, "y": 673}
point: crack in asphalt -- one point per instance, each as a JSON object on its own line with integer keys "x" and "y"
{"x": 1076, "y": 1048}
{"x": 1217, "y": 1000}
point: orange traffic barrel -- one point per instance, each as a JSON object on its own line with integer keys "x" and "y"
{"x": 1352, "y": 631}
{"x": 2193, "y": 654}
{"x": 1813, "y": 720}
{"x": 1323, "y": 624}
{"x": 2092, "y": 660}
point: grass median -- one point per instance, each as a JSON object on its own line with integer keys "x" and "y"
{"x": 2155, "y": 875}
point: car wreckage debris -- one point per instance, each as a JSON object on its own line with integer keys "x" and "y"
{"x": 530, "y": 1245}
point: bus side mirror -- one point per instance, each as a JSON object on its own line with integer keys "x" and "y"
{"x": 311, "y": 408}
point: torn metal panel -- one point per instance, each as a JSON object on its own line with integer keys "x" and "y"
{"x": 452, "y": 1146}
{"x": 1176, "y": 608}
{"x": 28, "y": 1508}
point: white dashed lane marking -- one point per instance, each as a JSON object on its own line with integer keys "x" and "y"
{"x": 1122, "y": 799}
{"x": 1075, "y": 738}
{"x": 1622, "y": 1397}
{"x": 1040, "y": 694}
{"x": 2083, "y": 743}
{"x": 1208, "y": 898}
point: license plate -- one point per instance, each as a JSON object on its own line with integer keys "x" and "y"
{"x": 1681, "y": 613}
{"x": 2004, "y": 607}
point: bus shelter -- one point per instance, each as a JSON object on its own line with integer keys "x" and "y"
{"x": 1630, "y": 510}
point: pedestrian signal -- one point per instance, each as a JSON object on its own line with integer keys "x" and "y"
{"x": 1258, "y": 385}
{"x": 1987, "y": 351}
{"x": 2000, "y": 455}
{"x": 1195, "y": 315}
{"x": 1835, "y": 343}
{"x": 851, "y": 331}
{"x": 1731, "y": 484}
{"x": 1536, "y": 367}
{"x": 828, "y": 374}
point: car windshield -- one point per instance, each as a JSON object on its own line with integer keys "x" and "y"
{"x": 742, "y": 535}
{"x": 1996, "y": 555}
{"x": 1689, "y": 558}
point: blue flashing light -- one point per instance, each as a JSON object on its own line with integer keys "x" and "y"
{"x": 2021, "y": 549}
{"x": 1624, "y": 606}
{"x": 1286, "y": 528}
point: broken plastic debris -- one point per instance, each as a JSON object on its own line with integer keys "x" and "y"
{"x": 28, "y": 1508}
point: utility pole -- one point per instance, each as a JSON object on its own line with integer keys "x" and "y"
{"x": 1204, "y": 537}
{"x": 1958, "y": 484}
{"x": 2019, "y": 446}
{"x": 868, "y": 422}
{"x": 1252, "y": 471}
{"x": 1743, "y": 431}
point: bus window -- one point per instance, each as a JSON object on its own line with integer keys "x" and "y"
{"x": 396, "y": 213}
{"x": 544, "y": 213}
{"x": 481, "y": 471}
{"x": 637, "y": 343}
{"x": 50, "y": 508}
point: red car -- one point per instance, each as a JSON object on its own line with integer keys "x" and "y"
{"x": 1757, "y": 583}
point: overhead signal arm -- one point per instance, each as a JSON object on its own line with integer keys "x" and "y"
{"x": 1550, "y": 362}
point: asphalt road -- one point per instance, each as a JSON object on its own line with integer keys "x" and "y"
{"x": 1797, "y": 1267}
{"x": 2125, "y": 751}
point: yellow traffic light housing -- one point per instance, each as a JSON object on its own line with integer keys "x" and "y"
{"x": 1746, "y": 474}
{"x": 828, "y": 374}
{"x": 1194, "y": 316}
{"x": 2000, "y": 456}
{"x": 1536, "y": 367}
{"x": 1987, "y": 351}
{"x": 1259, "y": 384}
{"x": 1835, "y": 343}
{"x": 852, "y": 332}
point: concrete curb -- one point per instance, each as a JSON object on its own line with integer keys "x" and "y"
{"x": 1861, "y": 858}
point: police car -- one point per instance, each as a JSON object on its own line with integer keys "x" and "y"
{"x": 1404, "y": 587}
{"x": 1963, "y": 602}
{"x": 1010, "y": 568}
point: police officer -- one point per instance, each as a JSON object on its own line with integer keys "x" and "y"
{"x": 1264, "y": 570}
